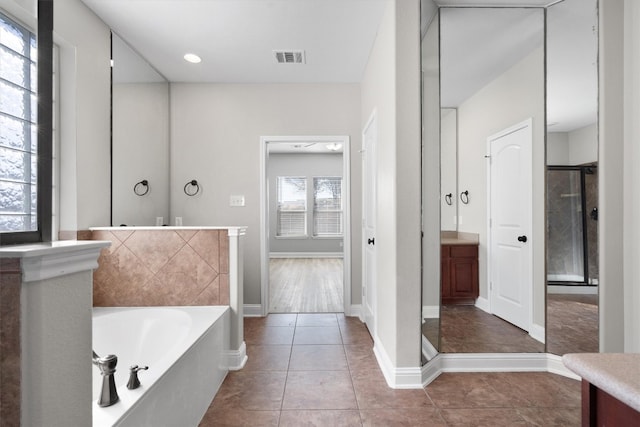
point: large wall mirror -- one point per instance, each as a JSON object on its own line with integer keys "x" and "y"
{"x": 572, "y": 177}
{"x": 511, "y": 135}
{"x": 140, "y": 140}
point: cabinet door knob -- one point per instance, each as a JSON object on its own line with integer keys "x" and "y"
{"x": 522, "y": 239}
{"x": 371, "y": 241}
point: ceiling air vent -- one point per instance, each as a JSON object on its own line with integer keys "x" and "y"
{"x": 289, "y": 56}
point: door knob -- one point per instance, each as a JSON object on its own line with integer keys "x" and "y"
{"x": 371, "y": 241}
{"x": 522, "y": 239}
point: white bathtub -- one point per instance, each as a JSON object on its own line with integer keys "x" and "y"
{"x": 186, "y": 349}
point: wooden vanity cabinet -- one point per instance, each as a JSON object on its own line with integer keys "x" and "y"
{"x": 459, "y": 274}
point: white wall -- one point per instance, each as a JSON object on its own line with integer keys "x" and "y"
{"x": 391, "y": 88}
{"x": 513, "y": 97}
{"x": 215, "y": 138}
{"x": 631, "y": 177}
{"x": 449, "y": 169}
{"x": 613, "y": 203}
{"x": 583, "y": 145}
{"x": 558, "y": 148}
{"x": 87, "y": 40}
{"x": 140, "y": 151}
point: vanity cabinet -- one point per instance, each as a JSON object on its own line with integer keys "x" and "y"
{"x": 459, "y": 274}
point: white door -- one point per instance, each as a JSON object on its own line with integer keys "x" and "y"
{"x": 369, "y": 136}
{"x": 510, "y": 255}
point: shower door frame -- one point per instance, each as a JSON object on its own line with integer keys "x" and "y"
{"x": 585, "y": 236}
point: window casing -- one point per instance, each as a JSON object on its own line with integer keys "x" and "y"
{"x": 292, "y": 206}
{"x": 26, "y": 130}
{"x": 327, "y": 207}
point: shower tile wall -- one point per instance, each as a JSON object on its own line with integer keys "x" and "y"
{"x": 564, "y": 223}
{"x": 162, "y": 267}
{"x": 10, "y": 347}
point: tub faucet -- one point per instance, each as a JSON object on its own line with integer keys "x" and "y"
{"x": 134, "y": 382}
{"x": 107, "y": 366}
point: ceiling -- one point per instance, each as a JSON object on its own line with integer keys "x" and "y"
{"x": 237, "y": 38}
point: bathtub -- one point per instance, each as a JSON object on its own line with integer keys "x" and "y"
{"x": 186, "y": 349}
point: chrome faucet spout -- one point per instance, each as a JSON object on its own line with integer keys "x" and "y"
{"x": 107, "y": 366}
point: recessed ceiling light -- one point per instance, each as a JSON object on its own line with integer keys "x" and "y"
{"x": 192, "y": 57}
{"x": 334, "y": 146}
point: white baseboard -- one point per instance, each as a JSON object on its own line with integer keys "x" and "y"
{"x": 236, "y": 359}
{"x": 494, "y": 362}
{"x": 398, "y": 378}
{"x": 483, "y": 304}
{"x": 355, "y": 311}
{"x": 430, "y": 311}
{"x": 566, "y": 289}
{"x": 306, "y": 255}
{"x": 252, "y": 310}
{"x": 428, "y": 350}
{"x": 537, "y": 332}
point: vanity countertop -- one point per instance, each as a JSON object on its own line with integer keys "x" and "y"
{"x": 458, "y": 238}
{"x": 617, "y": 374}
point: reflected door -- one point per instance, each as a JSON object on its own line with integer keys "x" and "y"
{"x": 369, "y": 224}
{"x": 510, "y": 224}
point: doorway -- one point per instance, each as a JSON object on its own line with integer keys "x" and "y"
{"x": 305, "y": 224}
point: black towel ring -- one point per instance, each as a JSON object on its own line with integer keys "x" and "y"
{"x": 464, "y": 196}
{"x": 448, "y": 199}
{"x": 141, "y": 188}
{"x": 192, "y": 183}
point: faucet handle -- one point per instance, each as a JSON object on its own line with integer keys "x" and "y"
{"x": 134, "y": 382}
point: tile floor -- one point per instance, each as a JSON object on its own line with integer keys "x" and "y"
{"x": 320, "y": 370}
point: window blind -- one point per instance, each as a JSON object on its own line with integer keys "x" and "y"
{"x": 327, "y": 206}
{"x": 292, "y": 206}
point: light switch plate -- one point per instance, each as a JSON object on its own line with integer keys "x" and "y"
{"x": 236, "y": 200}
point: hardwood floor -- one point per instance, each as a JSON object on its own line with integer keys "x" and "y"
{"x": 306, "y": 285}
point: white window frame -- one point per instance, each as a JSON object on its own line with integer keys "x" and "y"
{"x": 280, "y": 212}
{"x": 317, "y": 212}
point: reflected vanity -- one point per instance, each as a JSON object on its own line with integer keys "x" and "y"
{"x": 487, "y": 72}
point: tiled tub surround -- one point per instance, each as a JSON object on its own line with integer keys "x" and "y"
{"x": 173, "y": 266}
{"x": 162, "y": 266}
{"x": 45, "y": 333}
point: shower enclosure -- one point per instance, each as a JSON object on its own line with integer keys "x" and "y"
{"x": 572, "y": 225}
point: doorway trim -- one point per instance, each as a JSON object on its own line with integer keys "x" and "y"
{"x": 264, "y": 213}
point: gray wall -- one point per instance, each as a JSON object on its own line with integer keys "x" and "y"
{"x": 309, "y": 165}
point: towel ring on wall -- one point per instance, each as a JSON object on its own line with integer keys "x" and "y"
{"x": 141, "y": 188}
{"x": 448, "y": 199}
{"x": 192, "y": 183}
{"x": 464, "y": 196}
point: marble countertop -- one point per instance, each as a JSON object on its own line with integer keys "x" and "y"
{"x": 459, "y": 238}
{"x": 615, "y": 373}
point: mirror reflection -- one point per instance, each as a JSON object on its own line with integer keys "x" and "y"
{"x": 493, "y": 113}
{"x": 572, "y": 177}
{"x": 430, "y": 186}
{"x": 140, "y": 140}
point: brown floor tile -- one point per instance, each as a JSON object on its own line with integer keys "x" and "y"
{"x": 317, "y": 319}
{"x": 466, "y": 390}
{"x": 537, "y": 389}
{"x": 317, "y": 335}
{"x": 547, "y": 417}
{"x": 239, "y": 418}
{"x": 372, "y": 392}
{"x": 320, "y": 418}
{"x": 355, "y": 333}
{"x": 251, "y": 391}
{"x": 268, "y": 335}
{"x": 318, "y": 358}
{"x": 406, "y": 417}
{"x": 319, "y": 390}
{"x": 491, "y": 417}
{"x": 361, "y": 358}
{"x": 267, "y": 357}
